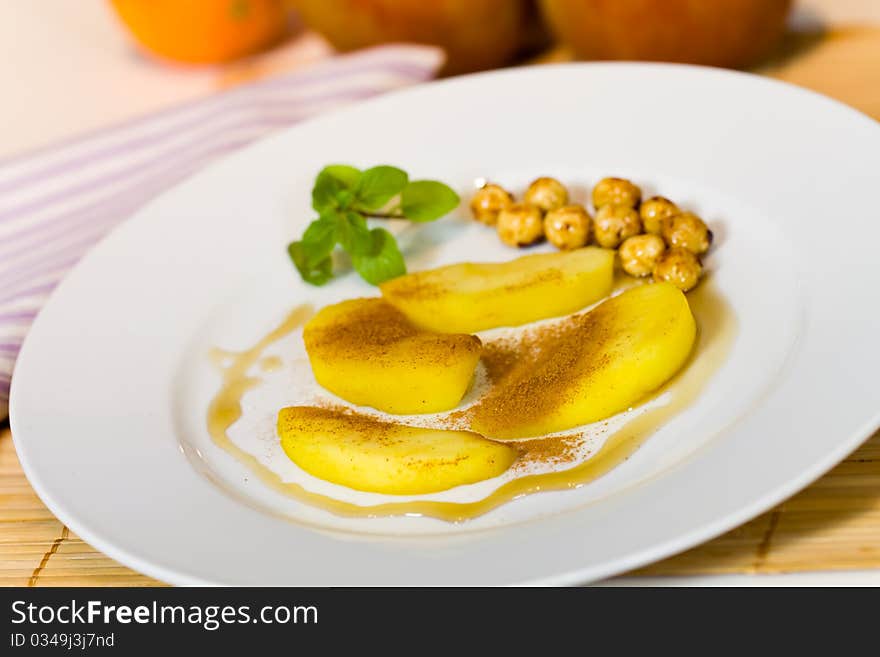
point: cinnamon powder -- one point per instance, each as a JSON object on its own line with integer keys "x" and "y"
{"x": 531, "y": 374}
{"x": 373, "y": 327}
{"x": 553, "y": 450}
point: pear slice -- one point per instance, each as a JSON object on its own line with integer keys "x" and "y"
{"x": 470, "y": 297}
{"x": 381, "y": 457}
{"x": 589, "y": 366}
{"x": 368, "y": 352}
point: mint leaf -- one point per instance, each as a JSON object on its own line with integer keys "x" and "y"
{"x": 344, "y": 197}
{"x": 334, "y": 187}
{"x": 311, "y": 254}
{"x": 378, "y": 185}
{"x": 344, "y": 173}
{"x": 427, "y": 200}
{"x": 352, "y": 233}
{"x": 319, "y": 238}
{"x": 382, "y": 261}
{"x": 316, "y": 271}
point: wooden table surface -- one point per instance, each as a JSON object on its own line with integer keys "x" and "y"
{"x": 833, "y": 524}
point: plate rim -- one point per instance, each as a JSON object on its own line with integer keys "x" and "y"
{"x": 637, "y": 558}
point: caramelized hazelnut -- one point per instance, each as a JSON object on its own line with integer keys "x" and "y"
{"x": 567, "y": 227}
{"x": 654, "y": 211}
{"x": 546, "y": 194}
{"x": 616, "y": 191}
{"x": 688, "y": 231}
{"x": 488, "y": 201}
{"x": 520, "y": 225}
{"x": 639, "y": 254}
{"x": 680, "y": 267}
{"x": 614, "y": 223}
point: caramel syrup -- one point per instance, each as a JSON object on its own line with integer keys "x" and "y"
{"x": 270, "y": 363}
{"x": 717, "y": 330}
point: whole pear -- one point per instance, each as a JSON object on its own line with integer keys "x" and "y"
{"x": 729, "y": 33}
{"x": 476, "y": 34}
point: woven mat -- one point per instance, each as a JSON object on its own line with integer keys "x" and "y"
{"x": 833, "y": 524}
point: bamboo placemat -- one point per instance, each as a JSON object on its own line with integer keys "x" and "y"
{"x": 833, "y": 524}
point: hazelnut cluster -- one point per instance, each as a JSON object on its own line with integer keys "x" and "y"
{"x": 653, "y": 237}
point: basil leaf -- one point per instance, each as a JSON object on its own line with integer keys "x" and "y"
{"x": 383, "y": 259}
{"x": 427, "y": 200}
{"x": 315, "y": 271}
{"x": 331, "y": 185}
{"x": 380, "y": 184}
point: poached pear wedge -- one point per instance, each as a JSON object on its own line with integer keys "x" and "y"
{"x": 368, "y": 353}
{"x": 589, "y": 366}
{"x": 469, "y": 297}
{"x": 381, "y": 457}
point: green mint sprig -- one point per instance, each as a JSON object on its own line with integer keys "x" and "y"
{"x": 344, "y": 198}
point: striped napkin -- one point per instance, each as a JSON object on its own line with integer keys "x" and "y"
{"x": 55, "y": 204}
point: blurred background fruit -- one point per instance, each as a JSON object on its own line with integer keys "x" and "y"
{"x": 204, "y": 31}
{"x": 476, "y": 34}
{"x": 731, "y": 33}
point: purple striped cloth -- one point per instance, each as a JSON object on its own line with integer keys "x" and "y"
{"x": 56, "y": 203}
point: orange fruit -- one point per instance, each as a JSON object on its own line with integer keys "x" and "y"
{"x": 203, "y": 31}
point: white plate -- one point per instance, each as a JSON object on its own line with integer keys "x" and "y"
{"x": 113, "y": 380}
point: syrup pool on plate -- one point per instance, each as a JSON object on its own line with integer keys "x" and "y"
{"x": 561, "y": 461}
